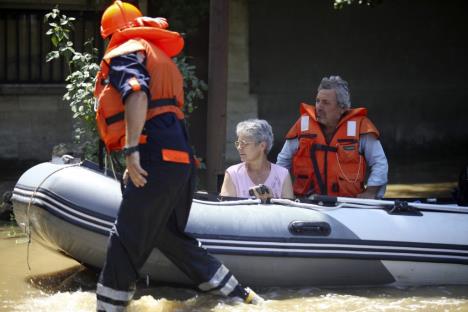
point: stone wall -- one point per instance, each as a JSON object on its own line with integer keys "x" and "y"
{"x": 241, "y": 105}
{"x": 32, "y": 120}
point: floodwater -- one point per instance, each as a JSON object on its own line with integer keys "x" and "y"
{"x": 57, "y": 283}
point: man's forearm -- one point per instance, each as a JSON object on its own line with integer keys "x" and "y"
{"x": 369, "y": 192}
{"x": 284, "y": 158}
{"x": 136, "y": 106}
{"x": 376, "y": 160}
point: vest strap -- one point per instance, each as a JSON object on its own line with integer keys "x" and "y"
{"x": 310, "y": 136}
{"x": 162, "y": 102}
{"x": 325, "y": 148}
{"x": 152, "y": 104}
{"x": 313, "y": 149}
{"x": 347, "y": 141}
{"x": 115, "y": 118}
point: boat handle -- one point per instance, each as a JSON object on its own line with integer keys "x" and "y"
{"x": 309, "y": 228}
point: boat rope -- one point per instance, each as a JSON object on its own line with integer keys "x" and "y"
{"x": 283, "y": 202}
{"x": 229, "y": 202}
{"x": 298, "y": 204}
{"x": 345, "y": 202}
{"x": 33, "y": 195}
{"x": 339, "y": 203}
{"x": 105, "y": 163}
{"x": 390, "y": 203}
{"x": 112, "y": 166}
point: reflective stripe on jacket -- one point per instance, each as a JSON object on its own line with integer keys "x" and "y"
{"x": 329, "y": 168}
{"x": 166, "y": 87}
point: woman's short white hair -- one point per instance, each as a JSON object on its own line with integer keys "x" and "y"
{"x": 341, "y": 89}
{"x": 257, "y": 129}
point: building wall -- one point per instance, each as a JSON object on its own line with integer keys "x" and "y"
{"x": 241, "y": 105}
{"x": 33, "y": 116}
{"x": 32, "y": 120}
{"x": 405, "y": 61}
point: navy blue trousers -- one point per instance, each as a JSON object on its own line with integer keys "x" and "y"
{"x": 155, "y": 216}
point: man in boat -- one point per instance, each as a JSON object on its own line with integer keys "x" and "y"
{"x": 140, "y": 95}
{"x": 331, "y": 146}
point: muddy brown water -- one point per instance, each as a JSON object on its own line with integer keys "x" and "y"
{"x": 57, "y": 283}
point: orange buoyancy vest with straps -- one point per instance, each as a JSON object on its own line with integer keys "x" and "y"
{"x": 329, "y": 168}
{"x": 165, "y": 86}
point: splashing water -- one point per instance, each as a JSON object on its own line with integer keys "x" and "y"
{"x": 278, "y": 300}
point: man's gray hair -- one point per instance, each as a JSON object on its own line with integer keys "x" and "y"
{"x": 257, "y": 129}
{"x": 341, "y": 89}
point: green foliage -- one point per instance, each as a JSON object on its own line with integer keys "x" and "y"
{"x": 339, "y": 4}
{"x": 83, "y": 68}
{"x": 193, "y": 86}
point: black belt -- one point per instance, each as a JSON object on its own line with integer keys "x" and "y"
{"x": 152, "y": 104}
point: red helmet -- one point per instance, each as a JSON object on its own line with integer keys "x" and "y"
{"x": 118, "y": 16}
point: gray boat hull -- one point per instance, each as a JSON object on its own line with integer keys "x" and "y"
{"x": 71, "y": 208}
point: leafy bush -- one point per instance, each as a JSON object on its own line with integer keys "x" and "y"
{"x": 83, "y": 68}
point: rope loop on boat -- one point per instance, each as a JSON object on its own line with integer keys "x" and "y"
{"x": 33, "y": 195}
{"x": 229, "y": 202}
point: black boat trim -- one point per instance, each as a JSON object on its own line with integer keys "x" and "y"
{"x": 338, "y": 255}
{"x": 29, "y": 191}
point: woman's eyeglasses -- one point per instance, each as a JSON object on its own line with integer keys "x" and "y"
{"x": 242, "y": 143}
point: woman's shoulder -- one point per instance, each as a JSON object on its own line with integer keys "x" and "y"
{"x": 236, "y": 168}
{"x": 279, "y": 168}
{"x": 279, "y": 171}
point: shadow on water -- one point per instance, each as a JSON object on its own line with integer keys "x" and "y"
{"x": 71, "y": 279}
{"x": 80, "y": 277}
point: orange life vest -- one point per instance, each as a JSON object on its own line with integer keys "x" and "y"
{"x": 165, "y": 86}
{"x": 329, "y": 168}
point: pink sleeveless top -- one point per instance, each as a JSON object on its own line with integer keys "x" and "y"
{"x": 242, "y": 181}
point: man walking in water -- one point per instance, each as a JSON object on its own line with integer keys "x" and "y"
{"x": 140, "y": 94}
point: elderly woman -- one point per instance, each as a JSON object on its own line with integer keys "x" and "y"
{"x": 254, "y": 142}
